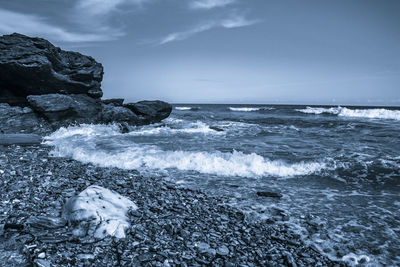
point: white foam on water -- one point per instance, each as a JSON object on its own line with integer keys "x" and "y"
{"x": 134, "y": 156}
{"x": 85, "y": 131}
{"x": 354, "y": 259}
{"x": 249, "y": 109}
{"x": 183, "y": 108}
{"x": 373, "y": 113}
{"x": 174, "y": 127}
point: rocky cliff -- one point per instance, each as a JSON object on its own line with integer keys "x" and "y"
{"x": 43, "y": 87}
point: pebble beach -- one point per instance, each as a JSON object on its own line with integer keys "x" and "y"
{"x": 173, "y": 225}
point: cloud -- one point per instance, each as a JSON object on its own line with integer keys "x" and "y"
{"x": 208, "y": 4}
{"x": 103, "y": 7}
{"x": 235, "y": 21}
{"x": 37, "y": 26}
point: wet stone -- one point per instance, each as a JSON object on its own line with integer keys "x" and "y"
{"x": 223, "y": 251}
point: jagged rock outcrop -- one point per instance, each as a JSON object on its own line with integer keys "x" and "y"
{"x": 18, "y": 119}
{"x": 151, "y": 111}
{"x": 111, "y": 113}
{"x": 33, "y": 66}
{"x": 43, "y": 87}
{"x": 114, "y": 101}
{"x": 68, "y": 108}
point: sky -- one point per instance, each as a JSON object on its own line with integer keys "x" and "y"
{"x": 227, "y": 51}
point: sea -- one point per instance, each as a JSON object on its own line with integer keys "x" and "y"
{"x": 336, "y": 167}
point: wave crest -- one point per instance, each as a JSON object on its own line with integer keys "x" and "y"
{"x": 187, "y": 108}
{"x": 83, "y": 146}
{"x": 375, "y": 113}
{"x": 175, "y": 128}
{"x": 249, "y": 109}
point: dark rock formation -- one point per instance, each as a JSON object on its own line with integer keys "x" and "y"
{"x": 44, "y": 88}
{"x": 111, "y": 113}
{"x": 33, "y": 66}
{"x": 151, "y": 111}
{"x": 70, "y": 108}
{"x": 114, "y": 101}
{"x": 17, "y": 119}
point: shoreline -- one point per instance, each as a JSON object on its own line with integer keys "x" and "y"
{"x": 173, "y": 225}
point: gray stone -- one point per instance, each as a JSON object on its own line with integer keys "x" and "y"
{"x": 111, "y": 113}
{"x": 151, "y": 111}
{"x": 57, "y": 107}
{"x": 223, "y": 250}
{"x": 17, "y": 119}
{"x": 114, "y": 101}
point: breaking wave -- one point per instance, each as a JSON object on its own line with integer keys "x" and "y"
{"x": 187, "y": 108}
{"x": 376, "y": 113}
{"x": 248, "y": 109}
{"x": 83, "y": 144}
{"x": 175, "y": 128}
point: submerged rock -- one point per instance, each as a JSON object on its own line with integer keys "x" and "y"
{"x": 269, "y": 194}
{"x": 98, "y": 212}
{"x": 33, "y": 66}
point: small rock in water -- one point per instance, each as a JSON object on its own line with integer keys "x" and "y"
{"x": 216, "y": 129}
{"x": 98, "y": 212}
{"x": 269, "y": 194}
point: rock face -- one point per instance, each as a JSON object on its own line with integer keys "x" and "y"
{"x": 114, "y": 101}
{"x": 98, "y": 212}
{"x": 17, "y": 119}
{"x": 111, "y": 113}
{"x": 151, "y": 111}
{"x": 33, "y": 66}
{"x": 43, "y": 88}
{"x": 55, "y": 107}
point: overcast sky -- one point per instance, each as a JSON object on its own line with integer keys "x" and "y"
{"x": 227, "y": 51}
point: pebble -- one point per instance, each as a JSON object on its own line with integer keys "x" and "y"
{"x": 42, "y": 263}
{"x": 42, "y": 255}
{"x": 223, "y": 251}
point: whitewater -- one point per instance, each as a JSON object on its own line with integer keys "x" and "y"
{"x": 337, "y": 168}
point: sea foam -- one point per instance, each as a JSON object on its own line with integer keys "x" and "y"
{"x": 373, "y": 113}
{"x": 82, "y": 145}
{"x": 177, "y": 127}
{"x": 186, "y": 108}
{"x": 249, "y": 109}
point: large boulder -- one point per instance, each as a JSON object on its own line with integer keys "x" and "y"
{"x": 98, "y": 212}
{"x": 18, "y": 119}
{"x": 150, "y": 111}
{"x": 111, "y": 113}
{"x": 113, "y": 101}
{"x": 58, "y": 108}
{"x": 33, "y": 66}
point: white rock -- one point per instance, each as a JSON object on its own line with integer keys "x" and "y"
{"x": 42, "y": 255}
{"x": 98, "y": 212}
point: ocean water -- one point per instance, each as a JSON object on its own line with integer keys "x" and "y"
{"x": 338, "y": 168}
